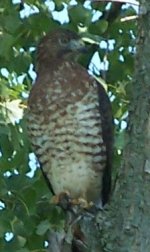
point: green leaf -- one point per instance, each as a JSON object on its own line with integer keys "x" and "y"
{"x": 23, "y": 250}
{"x": 6, "y": 146}
{"x": 3, "y": 186}
{"x": 6, "y": 43}
{"x": 4, "y": 224}
{"x": 120, "y": 140}
{"x": 36, "y": 242}
{"x": 21, "y": 240}
{"x": 98, "y": 27}
{"x": 80, "y": 15}
{"x": 30, "y": 199}
{"x": 43, "y": 227}
{"x": 11, "y": 22}
{"x": 22, "y": 63}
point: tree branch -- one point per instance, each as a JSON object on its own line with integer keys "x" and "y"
{"x": 134, "y": 2}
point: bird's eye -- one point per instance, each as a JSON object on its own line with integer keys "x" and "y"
{"x": 63, "y": 41}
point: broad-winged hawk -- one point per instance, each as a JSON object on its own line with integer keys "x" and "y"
{"x": 70, "y": 121}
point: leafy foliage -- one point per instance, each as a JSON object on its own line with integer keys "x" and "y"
{"x": 25, "y": 210}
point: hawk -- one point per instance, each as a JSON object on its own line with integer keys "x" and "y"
{"x": 70, "y": 121}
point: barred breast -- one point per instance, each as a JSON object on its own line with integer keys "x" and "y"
{"x": 69, "y": 144}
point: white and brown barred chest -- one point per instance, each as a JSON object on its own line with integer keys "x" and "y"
{"x": 68, "y": 142}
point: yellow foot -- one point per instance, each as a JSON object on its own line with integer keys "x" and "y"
{"x": 82, "y": 203}
{"x": 67, "y": 202}
{"x": 63, "y": 199}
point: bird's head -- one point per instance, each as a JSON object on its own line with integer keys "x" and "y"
{"x": 60, "y": 44}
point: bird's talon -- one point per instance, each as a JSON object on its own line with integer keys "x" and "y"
{"x": 63, "y": 199}
{"x": 82, "y": 203}
{"x": 55, "y": 199}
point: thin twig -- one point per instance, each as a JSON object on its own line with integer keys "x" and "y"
{"x": 128, "y": 18}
